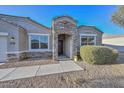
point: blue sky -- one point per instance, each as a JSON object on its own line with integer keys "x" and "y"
{"x": 100, "y": 16}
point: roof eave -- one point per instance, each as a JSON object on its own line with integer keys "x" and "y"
{"x": 92, "y": 27}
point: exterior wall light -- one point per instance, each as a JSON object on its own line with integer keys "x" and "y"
{"x": 12, "y": 40}
{"x": 75, "y": 58}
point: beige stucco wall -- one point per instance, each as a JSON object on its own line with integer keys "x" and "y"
{"x": 23, "y": 40}
{"x": 31, "y": 27}
{"x": 12, "y": 32}
{"x": 67, "y": 46}
{"x": 50, "y": 41}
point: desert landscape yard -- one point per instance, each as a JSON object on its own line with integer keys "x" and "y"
{"x": 93, "y": 76}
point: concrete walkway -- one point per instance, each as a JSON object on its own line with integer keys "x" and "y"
{"x": 39, "y": 70}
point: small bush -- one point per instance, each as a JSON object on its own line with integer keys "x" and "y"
{"x": 98, "y": 54}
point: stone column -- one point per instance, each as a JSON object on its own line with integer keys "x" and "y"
{"x": 55, "y": 46}
{"x": 74, "y": 44}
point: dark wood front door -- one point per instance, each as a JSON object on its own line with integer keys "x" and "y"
{"x": 60, "y": 47}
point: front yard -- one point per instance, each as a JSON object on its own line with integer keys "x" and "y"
{"x": 91, "y": 76}
{"x": 27, "y": 62}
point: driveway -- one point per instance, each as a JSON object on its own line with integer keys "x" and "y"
{"x": 39, "y": 70}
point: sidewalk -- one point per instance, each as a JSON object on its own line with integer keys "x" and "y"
{"x": 39, "y": 70}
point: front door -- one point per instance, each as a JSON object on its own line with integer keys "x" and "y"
{"x": 60, "y": 47}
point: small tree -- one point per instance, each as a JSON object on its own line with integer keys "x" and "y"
{"x": 118, "y": 16}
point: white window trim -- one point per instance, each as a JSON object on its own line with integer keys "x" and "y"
{"x": 88, "y": 35}
{"x": 38, "y": 50}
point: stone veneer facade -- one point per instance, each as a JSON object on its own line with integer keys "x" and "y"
{"x": 70, "y": 30}
{"x": 25, "y": 55}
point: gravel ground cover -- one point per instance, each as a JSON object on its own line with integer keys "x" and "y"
{"x": 93, "y": 76}
{"x": 27, "y": 62}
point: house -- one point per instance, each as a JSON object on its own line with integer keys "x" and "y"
{"x": 114, "y": 41}
{"x": 22, "y": 37}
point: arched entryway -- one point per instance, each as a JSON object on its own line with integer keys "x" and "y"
{"x": 65, "y": 45}
{"x": 64, "y": 35}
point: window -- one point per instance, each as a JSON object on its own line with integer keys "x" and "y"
{"x": 39, "y": 42}
{"x": 87, "y": 40}
{"x": 34, "y": 42}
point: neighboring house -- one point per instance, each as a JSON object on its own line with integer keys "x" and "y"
{"x": 21, "y": 37}
{"x": 114, "y": 41}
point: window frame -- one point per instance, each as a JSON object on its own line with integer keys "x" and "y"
{"x": 38, "y": 34}
{"x": 94, "y": 35}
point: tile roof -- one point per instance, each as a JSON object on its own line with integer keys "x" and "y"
{"x": 91, "y": 27}
{"x": 24, "y": 22}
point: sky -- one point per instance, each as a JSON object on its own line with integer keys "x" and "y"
{"x": 99, "y": 16}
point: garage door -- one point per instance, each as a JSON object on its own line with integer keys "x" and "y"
{"x": 3, "y": 48}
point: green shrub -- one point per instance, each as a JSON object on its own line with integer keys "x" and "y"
{"x": 98, "y": 54}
